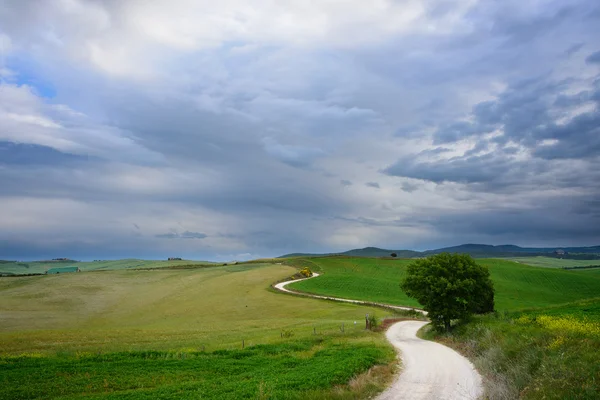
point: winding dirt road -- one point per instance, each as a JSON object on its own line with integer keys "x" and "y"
{"x": 282, "y": 287}
{"x": 431, "y": 371}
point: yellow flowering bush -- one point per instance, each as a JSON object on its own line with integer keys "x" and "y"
{"x": 306, "y": 272}
{"x": 569, "y": 323}
{"x": 566, "y": 323}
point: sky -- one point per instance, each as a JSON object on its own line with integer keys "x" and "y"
{"x": 241, "y": 129}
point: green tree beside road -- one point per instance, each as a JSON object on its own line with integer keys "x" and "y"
{"x": 449, "y": 286}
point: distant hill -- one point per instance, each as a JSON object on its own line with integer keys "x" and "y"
{"x": 475, "y": 250}
{"x": 511, "y": 248}
{"x": 366, "y": 252}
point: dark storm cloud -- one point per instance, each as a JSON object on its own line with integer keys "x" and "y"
{"x": 474, "y": 169}
{"x": 552, "y": 221}
{"x": 525, "y": 114}
{"x": 593, "y": 58}
{"x": 373, "y": 185}
{"x": 32, "y": 155}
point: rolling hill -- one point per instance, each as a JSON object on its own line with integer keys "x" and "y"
{"x": 475, "y": 250}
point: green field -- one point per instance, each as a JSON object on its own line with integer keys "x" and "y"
{"x": 548, "y": 350}
{"x": 178, "y": 334}
{"x": 40, "y": 267}
{"x": 517, "y": 286}
{"x": 550, "y": 262}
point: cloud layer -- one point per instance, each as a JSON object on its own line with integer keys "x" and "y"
{"x": 260, "y": 129}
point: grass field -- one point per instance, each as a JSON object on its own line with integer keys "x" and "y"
{"x": 550, "y": 262}
{"x": 517, "y": 286}
{"x": 178, "y": 334}
{"x": 40, "y": 267}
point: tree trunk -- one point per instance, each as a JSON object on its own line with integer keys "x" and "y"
{"x": 447, "y": 324}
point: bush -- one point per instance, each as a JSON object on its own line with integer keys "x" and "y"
{"x": 372, "y": 322}
{"x": 306, "y": 272}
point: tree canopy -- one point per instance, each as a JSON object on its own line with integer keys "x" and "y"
{"x": 449, "y": 286}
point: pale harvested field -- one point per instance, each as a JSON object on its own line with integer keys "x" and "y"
{"x": 212, "y": 308}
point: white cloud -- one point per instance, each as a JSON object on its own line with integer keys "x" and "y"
{"x": 133, "y": 38}
{"x": 27, "y": 118}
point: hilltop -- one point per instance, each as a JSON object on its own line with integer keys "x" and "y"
{"x": 475, "y": 250}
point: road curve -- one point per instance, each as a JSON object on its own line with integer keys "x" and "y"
{"x": 282, "y": 287}
{"x": 431, "y": 371}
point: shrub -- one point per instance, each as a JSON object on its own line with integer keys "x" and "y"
{"x": 372, "y": 322}
{"x": 306, "y": 272}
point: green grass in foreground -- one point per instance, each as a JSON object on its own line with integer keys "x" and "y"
{"x": 550, "y": 262}
{"x": 178, "y": 334}
{"x": 540, "y": 354}
{"x": 517, "y": 286}
{"x": 298, "y": 369}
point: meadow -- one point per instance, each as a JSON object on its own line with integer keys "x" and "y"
{"x": 517, "y": 286}
{"x": 40, "y": 267}
{"x": 551, "y": 262}
{"x": 183, "y": 334}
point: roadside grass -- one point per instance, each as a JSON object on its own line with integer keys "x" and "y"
{"x": 551, "y": 262}
{"x": 518, "y": 286}
{"x": 537, "y": 354}
{"x": 179, "y": 334}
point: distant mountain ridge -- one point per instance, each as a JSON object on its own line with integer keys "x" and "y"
{"x": 476, "y": 250}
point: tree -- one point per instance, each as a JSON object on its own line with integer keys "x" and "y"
{"x": 449, "y": 286}
{"x": 394, "y": 255}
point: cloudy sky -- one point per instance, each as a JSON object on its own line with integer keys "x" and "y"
{"x": 237, "y": 129}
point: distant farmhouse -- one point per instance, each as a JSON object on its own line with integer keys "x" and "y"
{"x": 62, "y": 270}
{"x": 560, "y": 253}
{"x": 174, "y": 259}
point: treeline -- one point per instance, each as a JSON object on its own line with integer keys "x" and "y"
{"x": 582, "y": 267}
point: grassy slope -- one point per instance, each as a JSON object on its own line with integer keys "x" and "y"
{"x": 517, "y": 286}
{"x": 126, "y": 310}
{"x": 65, "y": 336}
{"x": 550, "y": 262}
{"x": 548, "y": 353}
{"x": 359, "y": 278}
{"x": 40, "y": 267}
